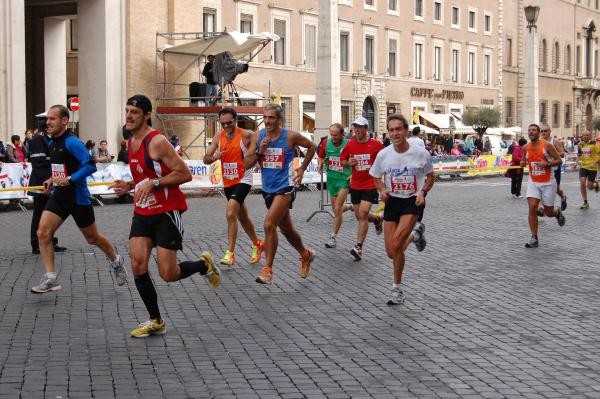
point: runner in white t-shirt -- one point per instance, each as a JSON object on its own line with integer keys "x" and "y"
{"x": 408, "y": 175}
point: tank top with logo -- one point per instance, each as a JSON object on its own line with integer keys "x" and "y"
{"x": 277, "y": 166}
{"x": 143, "y": 167}
{"x": 535, "y": 155}
{"x": 232, "y": 159}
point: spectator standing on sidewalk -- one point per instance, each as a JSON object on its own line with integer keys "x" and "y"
{"x": 516, "y": 172}
{"x": 103, "y": 155}
{"x": 16, "y": 151}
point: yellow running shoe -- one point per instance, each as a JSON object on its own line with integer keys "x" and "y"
{"x": 150, "y": 327}
{"x": 256, "y": 252}
{"x": 265, "y": 276}
{"x": 305, "y": 261}
{"x": 228, "y": 259}
{"x": 213, "y": 274}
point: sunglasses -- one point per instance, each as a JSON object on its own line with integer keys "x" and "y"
{"x": 228, "y": 123}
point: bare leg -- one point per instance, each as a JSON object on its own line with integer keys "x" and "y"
{"x": 361, "y": 211}
{"x": 291, "y": 234}
{"x": 94, "y": 237}
{"x": 247, "y": 224}
{"x": 533, "y": 216}
{"x": 49, "y": 223}
{"x": 396, "y": 237}
{"x": 582, "y": 184}
{"x": 278, "y": 210}
{"x": 232, "y": 212}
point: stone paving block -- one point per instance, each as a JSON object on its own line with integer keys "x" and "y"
{"x": 484, "y": 317}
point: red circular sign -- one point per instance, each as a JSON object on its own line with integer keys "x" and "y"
{"x": 74, "y": 103}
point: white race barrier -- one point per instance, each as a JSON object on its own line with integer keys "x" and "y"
{"x": 16, "y": 175}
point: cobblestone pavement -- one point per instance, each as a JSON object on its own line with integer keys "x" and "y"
{"x": 484, "y": 317}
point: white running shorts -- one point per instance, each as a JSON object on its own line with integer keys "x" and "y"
{"x": 542, "y": 191}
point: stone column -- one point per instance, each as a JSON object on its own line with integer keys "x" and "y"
{"x": 55, "y": 61}
{"x": 531, "y": 103}
{"x": 13, "y": 119}
{"x": 328, "y": 101}
{"x": 101, "y": 75}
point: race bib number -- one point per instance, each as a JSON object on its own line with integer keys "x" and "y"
{"x": 59, "y": 170}
{"x": 335, "y": 164}
{"x": 537, "y": 170}
{"x": 586, "y": 151}
{"x": 404, "y": 185}
{"x": 230, "y": 170}
{"x": 150, "y": 199}
{"x": 363, "y": 162}
{"x": 273, "y": 158}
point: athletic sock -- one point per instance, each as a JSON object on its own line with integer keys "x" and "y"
{"x": 192, "y": 267}
{"x": 51, "y": 275}
{"x": 394, "y": 285}
{"x": 148, "y": 294}
{"x": 359, "y": 244}
{"x": 534, "y": 237}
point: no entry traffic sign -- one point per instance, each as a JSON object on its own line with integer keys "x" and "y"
{"x": 74, "y": 103}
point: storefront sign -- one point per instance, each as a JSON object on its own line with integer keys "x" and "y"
{"x": 420, "y": 92}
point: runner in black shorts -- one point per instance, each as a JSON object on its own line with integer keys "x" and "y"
{"x": 71, "y": 165}
{"x": 229, "y": 147}
{"x": 157, "y": 172}
{"x": 408, "y": 175}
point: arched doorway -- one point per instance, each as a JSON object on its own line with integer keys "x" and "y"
{"x": 368, "y": 111}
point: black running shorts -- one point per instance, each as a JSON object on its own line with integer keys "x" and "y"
{"x": 396, "y": 207}
{"x": 165, "y": 229}
{"x": 588, "y": 174}
{"x": 268, "y": 197}
{"x": 82, "y": 214}
{"x": 237, "y": 192}
{"x": 356, "y": 196}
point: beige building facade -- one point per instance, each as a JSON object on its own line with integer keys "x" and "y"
{"x": 432, "y": 56}
{"x": 568, "y": 63}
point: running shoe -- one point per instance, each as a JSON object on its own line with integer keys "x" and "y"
{"x": 541, "y": 212}
{"x": 396, "y": 297}
{"x": 563, "y": 202}
{"x": 519, "y": 196}
{"x": 421, "y": 243}
{"x": 332, "y": 243}
{"x": 265, "y": 276}
{"x": 560, "y": 218}
{"x": 305, "y": 261}
{"x": 378, "y": 225}
{"x": 213, "y": 274}
{"x": 147, "y": 328}
{"x": 228, "y": 259}
{"x": 356, "y": 251}
{"x": 46, "y": 285}
{"x": 257, "y": 251}
{"x": 119, "y": 270}
{"x": 585, "y": 206}
{"x": 533, "y": 243}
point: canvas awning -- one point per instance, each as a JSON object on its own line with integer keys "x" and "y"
{"x": 310, "y": 115}
{"x": 238, "y": 44}
{"x": 424, "y": 129}
{"x": 443, "y": 122}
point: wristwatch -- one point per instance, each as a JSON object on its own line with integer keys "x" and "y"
{"x": 156, "y": 183}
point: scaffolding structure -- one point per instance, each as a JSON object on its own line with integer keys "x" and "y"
{"x": 173, "y": 102}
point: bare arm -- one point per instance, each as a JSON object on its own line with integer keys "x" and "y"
{"x": 209, "y": 156}
{"x": 429, "y": 180}
{"x": 251, "y": 156}
{"x": 556, "y": 161}
{"x": 295, "y": 138}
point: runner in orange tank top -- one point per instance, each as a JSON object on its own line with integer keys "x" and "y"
{"x": 230, "y": 146}
{"x": 540, "y": 156}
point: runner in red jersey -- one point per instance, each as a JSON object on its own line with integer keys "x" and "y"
{"x": 360, "y": 153}
{"x": 157, "y": 172}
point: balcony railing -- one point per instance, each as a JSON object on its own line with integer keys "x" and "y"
{"x": 590, "y": 83}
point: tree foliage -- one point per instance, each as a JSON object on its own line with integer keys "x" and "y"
{"x": 481, "y": 118}
{"x": 595, "y": 124}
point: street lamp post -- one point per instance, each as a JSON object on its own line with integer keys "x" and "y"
{"x": 531, "y": 108}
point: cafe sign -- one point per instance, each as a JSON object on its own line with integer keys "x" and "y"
{"x": 420, "y": 92}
